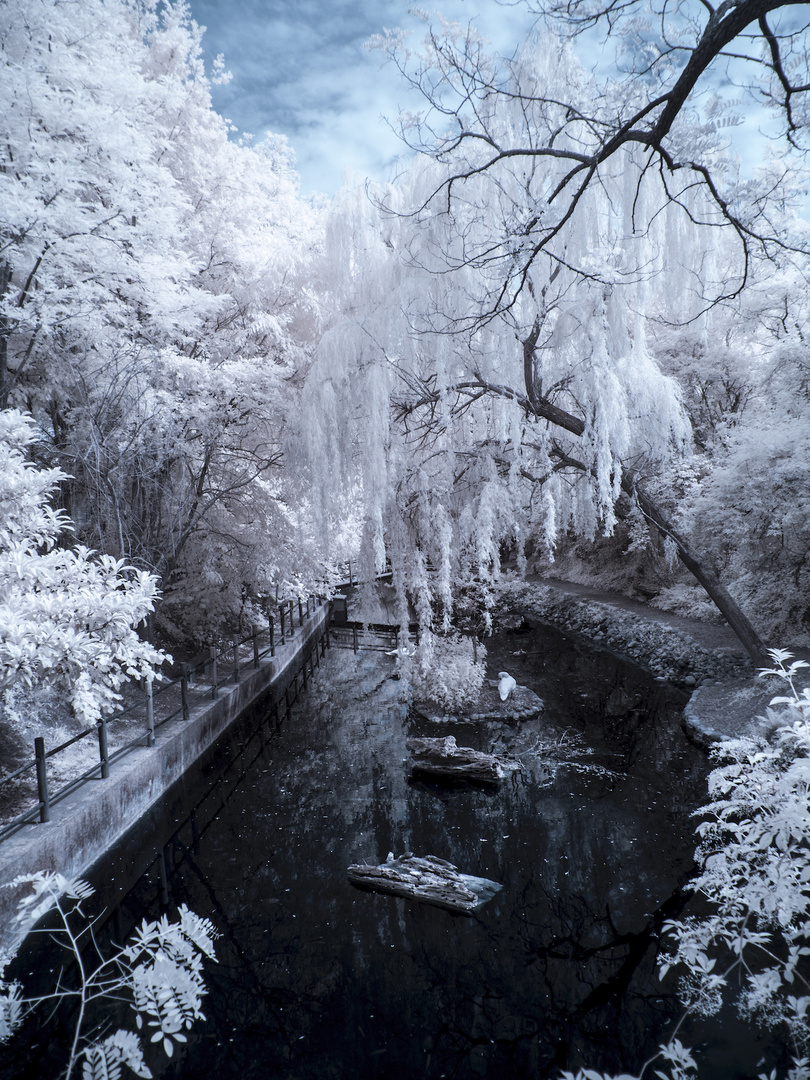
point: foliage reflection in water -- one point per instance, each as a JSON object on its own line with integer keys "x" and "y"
{"x": 591, "y": 839}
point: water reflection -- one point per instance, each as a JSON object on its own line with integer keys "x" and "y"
{"x": 591, "y": 840}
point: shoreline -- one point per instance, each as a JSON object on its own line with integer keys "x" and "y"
{"x": 727, "y": 698}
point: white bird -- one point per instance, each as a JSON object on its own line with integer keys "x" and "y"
{"x": 403, "y": 650}
{"x": 506, "y": 684}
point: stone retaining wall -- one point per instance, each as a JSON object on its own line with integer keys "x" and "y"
{"x": 92, "y": 819}
{"x": 667, "y": 652}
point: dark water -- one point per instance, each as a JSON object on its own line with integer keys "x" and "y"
{"x": 592, "y": 841}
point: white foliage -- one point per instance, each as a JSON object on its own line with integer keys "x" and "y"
{"x": 11, "y": 1005}
{"x": 752, "y": 509}
{"x": 161, "y": 969}
{"x": 103, "y": 1060}
{"x": 447, "y": 669}
{"x": 417, "y": 400}
{"x": 65, "y": 614}
{"x": 755, "y": 869}
{"x": 744, "y": 371}
{"x": 47, "y": 886}
{"x": 155, "y": 311}
{"x": 166, "y": 974}
{"x": 755, "y": 872}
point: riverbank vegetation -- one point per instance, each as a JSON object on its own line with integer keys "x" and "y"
{"x": 571, "y": 332}
{"x": 534, "y": 343}
{"x": 750, "y": 946}
{"x": 158, "y": 974}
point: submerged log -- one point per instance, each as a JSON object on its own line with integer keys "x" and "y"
{"x": 426, "y": 878}
{"x": 441, "y": 757}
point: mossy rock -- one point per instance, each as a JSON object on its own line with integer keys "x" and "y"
{"x": 522, "y": 704}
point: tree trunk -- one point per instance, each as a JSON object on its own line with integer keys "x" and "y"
{"x": 426, "y": 878}
{"x": 703, "y": 574}
{"x": 5, "y": 281}
{"x": 441, "y": 757}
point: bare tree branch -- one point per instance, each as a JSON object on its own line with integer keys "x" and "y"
{"x": 641, "y": 114}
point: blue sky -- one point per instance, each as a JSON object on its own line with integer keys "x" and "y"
{"x": 300, "y": 69}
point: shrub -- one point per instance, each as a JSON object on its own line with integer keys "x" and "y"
{"x": 448, "y": 670}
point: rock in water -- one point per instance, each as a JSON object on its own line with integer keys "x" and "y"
{"x": 426, "y": 878}
{"x": 522, "y": 704}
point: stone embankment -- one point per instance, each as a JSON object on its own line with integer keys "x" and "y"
{"x": 727, "y": 700}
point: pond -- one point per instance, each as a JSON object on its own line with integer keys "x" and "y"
{"x": 591, "y": 839}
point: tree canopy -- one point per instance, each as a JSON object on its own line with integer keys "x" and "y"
{"x": 525, "y": 285}
{"x": 657, "y": 110}
{"x": 566, "y": 317}
{"x": 154, "y": 314}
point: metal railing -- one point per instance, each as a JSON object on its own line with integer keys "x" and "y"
{"x": 379, "y": 637}
{"x": 348, "y": 575}
{"x": 200, "y": 679}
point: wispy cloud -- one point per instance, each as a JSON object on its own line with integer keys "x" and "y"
{"x": 302, "y": 70}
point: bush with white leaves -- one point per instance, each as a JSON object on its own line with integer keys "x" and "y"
{"x": 446, "y": 669}
{"x": 66, "y": 614}
{"x": 754, "y": 859}
{"x": 754, "y": 856}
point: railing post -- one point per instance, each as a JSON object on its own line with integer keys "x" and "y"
{"x": 150, "y": 715}
{"x": 214, "y": 679}
{"x": 184, "y": 691}
{"x": 292, "y": 619}
{"x": 237, "y": 674}
{"x": 301, "y": 612}
{"x": 272, "y": 635}
{"x": 281, "y": 616}
{"x": 102, "y": 748}
{"x": 255, "y": 647}
{"x": 354, "y": 637}
{"x": 42, "y": 780}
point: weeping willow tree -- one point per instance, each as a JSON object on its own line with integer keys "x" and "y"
{"x": 472, "y": 390}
